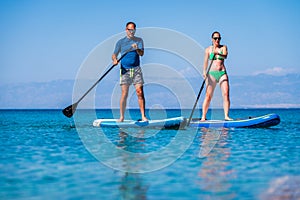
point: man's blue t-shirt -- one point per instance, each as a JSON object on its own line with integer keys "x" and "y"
{"x": 132, "y": 58}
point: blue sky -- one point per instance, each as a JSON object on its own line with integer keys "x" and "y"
{"x": 48, "y": 40}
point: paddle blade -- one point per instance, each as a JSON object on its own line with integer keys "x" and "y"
{"x": 70, "y": 110}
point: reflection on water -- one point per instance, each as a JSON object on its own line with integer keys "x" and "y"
{"x": 132, "y": 184}
{"x": 130, "y": 143}
{"x": 209, "y": 139}
{"x": 215, "y": 172}
{"x": 148, "y": 149}
{"x": 285, "y": 187}
{"x": 133, "y": 187}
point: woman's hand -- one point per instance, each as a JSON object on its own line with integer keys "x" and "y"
{"x": 217, "y": 51}
{"x": 204, "y": 75}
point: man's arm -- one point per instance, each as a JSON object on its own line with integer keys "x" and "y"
{"x": 139, "y": 51}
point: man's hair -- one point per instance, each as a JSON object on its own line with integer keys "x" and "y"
{"x": 131, "y": 23}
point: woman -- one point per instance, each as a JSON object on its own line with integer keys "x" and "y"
{"x": 216, "y": 53}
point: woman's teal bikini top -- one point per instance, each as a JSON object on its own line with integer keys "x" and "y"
{"x": 218, "y": 57}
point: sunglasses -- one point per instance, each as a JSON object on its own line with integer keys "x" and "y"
{"x": 217, "y": 38}
{"x": 131, "y": 30}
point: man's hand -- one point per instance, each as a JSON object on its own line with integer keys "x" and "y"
{"x": 114, "y": 59}
{"x": 135, "y": 46}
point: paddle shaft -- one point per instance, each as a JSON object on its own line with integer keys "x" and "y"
{"x": 69, "y": 111}
{"x": 202, "y": 86}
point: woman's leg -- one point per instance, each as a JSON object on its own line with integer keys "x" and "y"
{"x": 224, "y": 84}
{"x": 210, "y": 87}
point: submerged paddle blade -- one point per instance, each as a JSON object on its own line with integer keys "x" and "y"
{"x": 70, "y": 110}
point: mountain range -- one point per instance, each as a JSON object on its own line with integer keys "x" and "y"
{"x": 256, "y": 91}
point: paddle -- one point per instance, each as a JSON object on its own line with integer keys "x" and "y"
{"x": 70, "y": 110}
{"x": 202, "y": 86}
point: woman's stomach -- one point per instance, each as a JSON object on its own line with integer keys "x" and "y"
{"x": 217, "y": 66}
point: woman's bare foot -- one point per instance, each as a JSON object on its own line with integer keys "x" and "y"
{"x": 121, "y": 119}
{"x": 144, "y": 119}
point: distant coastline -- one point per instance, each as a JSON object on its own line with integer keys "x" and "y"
{"x": 247, "y": 92}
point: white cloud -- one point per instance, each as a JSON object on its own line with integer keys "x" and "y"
{"x": 279, "y": 105}
{"x": 275, "y": 71}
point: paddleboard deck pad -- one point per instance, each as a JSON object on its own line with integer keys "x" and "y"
{"x": 252, "y": 122}
{"x": 169, "y": 123}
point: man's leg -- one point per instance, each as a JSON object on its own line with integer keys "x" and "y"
{"x": 141, "y": 100}
{"x": 123, "y": 101}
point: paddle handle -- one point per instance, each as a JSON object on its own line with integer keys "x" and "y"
{"x": 102, "y": 77}
{"x": 202, "y": 86}
{"x": 69, "y": 111}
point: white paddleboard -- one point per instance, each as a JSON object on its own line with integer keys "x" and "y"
{"x": 175, "y": 122}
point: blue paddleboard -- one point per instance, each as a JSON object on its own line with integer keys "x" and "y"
{"x": 252, "y": 122}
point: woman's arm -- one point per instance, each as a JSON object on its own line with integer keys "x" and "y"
{"x": 205, "y": 64}
{"x": 224, "y": 51}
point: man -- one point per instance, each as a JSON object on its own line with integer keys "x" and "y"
{"x": 130, "y": 72}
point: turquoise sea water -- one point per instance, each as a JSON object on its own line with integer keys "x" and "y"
{"x": 45, "y": 155}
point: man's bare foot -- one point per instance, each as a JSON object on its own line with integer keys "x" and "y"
{"x": 228, "y": 119}
{"x": 202, "y": 119}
